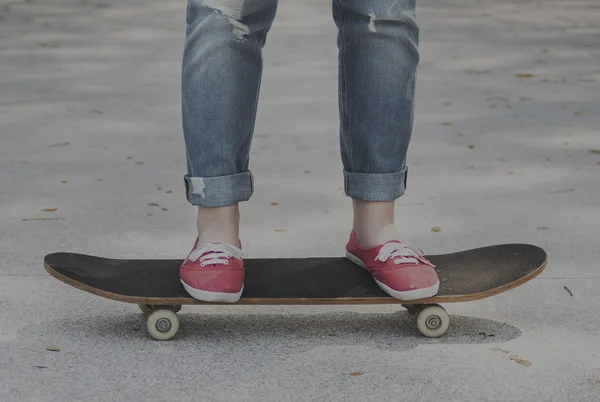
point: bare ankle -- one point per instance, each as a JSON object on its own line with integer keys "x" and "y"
{"x": 218, "y": 224}
{"x": 374, "y": 222}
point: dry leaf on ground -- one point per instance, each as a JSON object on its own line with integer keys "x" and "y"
{"x": 517, "y": 359}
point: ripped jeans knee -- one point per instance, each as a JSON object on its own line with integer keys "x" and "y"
{"x": 244, "y": 16}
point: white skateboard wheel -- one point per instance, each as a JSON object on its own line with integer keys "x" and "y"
{"x": 162, "y": 324}
{"x": 433, "y": 321}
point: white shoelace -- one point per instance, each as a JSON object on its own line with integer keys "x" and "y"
{"x": 402, "y": 253}
{"x": 215, "y": 254}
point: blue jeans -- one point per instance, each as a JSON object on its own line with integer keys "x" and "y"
{"x": 221, "y": 74}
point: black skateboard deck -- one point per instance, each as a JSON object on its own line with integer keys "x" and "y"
{"x": 155, "y": 286}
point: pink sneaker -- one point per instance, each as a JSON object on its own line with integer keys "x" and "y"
{"x": 399, "y": 269}
{"x": 213, "y": 272}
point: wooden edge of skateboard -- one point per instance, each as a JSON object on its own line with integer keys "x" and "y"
{"x": 297, "y": 301}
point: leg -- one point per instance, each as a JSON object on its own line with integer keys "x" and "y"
{"x": 378, "y": 58}
{"x": 221, "y": 74}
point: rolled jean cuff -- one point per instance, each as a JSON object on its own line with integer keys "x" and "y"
{"x": 219, "y": 191}
{"x": 375, "y": 186}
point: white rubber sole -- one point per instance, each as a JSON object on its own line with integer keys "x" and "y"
{"x": 213, "y": 297}
{"x": 397, "y": 294}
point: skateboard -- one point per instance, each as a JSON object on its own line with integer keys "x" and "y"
{"x": 155, "y": 286}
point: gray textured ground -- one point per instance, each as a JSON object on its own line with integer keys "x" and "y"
{"x": 90, "y": 89}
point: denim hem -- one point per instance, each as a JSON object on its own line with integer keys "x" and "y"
{"x": 375, "y": 186}
{"x": 219, "y": 191}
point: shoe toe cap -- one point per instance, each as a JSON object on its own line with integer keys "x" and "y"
{"x": 410, "y": 278}
{"x": 214, "y": 279}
